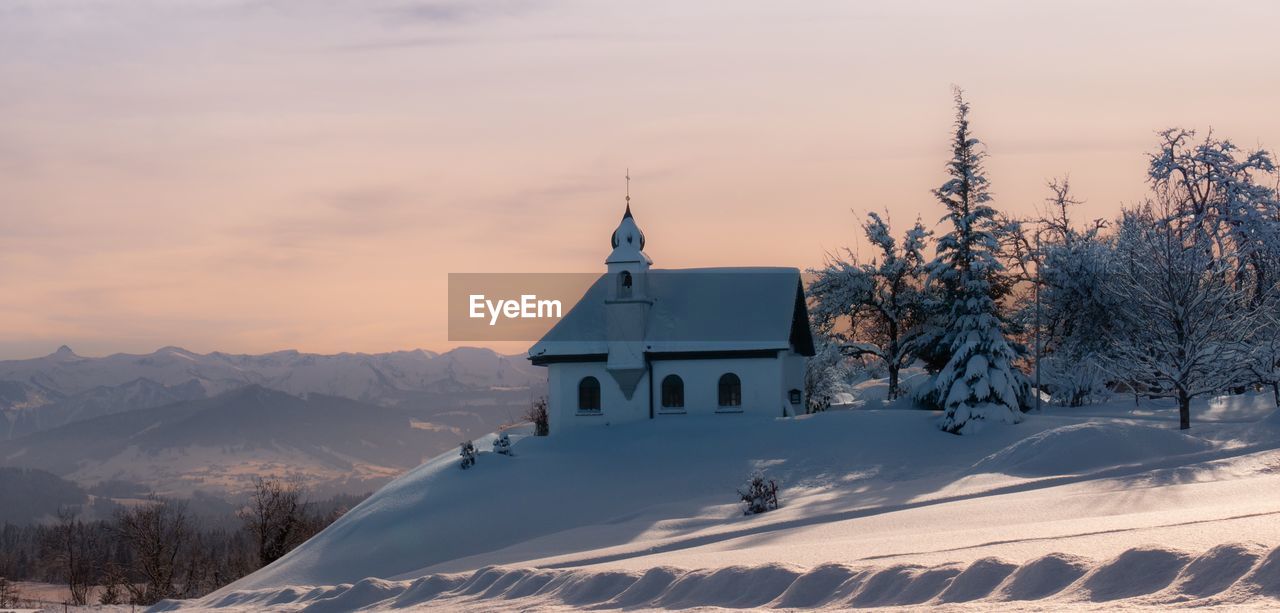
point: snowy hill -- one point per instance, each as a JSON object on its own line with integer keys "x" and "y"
{"x": 1108, "y": 506}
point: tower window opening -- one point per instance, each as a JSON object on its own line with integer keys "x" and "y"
{"x": 624, "y": 284}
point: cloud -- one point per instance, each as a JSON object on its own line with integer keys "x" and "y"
{"x": 352, "y": 214}
{"x": 402, "y": 43}
{"x": 453, "y": 12}
{"x": 446, "y": 20}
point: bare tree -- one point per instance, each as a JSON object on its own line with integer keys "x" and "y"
{"x": 277, "y": 517}
{"x": 882, "y": 302}
{"x": 538, "y": 416}
{"x": 70, "y": 548}
{"x": 1056, "y": 218}
{"x": 824, "y": 374}
{"x": 1071, "y": 311}
{"x": 157, "y": 533}
{"x": 1265, "y": 365}
{"x": 1222, "y": 192}
{"x": 1186, "y": 323}
{"x": 8, "y": 593}
{"x": 114, "y": 579}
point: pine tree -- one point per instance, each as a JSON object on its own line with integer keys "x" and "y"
{"x": 978, "y": 382}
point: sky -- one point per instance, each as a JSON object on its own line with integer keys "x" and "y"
{"x": 249, "y": 176}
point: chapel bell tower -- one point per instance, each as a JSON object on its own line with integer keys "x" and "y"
{"x": 627, "y": 303}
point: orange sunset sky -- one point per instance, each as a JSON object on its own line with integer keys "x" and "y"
{"x": 252, "y": 176}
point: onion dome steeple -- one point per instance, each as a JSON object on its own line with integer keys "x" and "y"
{"x": 627, "y": 240}
{"x": 627, "y": 231}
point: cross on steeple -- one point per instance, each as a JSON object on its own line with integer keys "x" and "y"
{"x": 628, "y": 233}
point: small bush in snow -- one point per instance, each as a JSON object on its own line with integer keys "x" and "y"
{"x": 759, "y": 494}
{"x": 468, "y": 452}
{"x": 502, "y": 444}
{"x": 537, "y": 414}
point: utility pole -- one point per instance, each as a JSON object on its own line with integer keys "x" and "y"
{"x": 1037, "y": 335}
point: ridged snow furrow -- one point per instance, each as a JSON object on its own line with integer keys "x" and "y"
{"x": 1227, "y": 574}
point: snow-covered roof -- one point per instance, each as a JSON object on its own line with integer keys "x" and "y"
{"x": 694, "y": 310}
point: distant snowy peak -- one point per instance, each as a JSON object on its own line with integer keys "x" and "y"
{"x": 64, "y": 354}
{"x": 177, "y": 352}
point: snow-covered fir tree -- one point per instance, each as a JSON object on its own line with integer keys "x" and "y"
{"x": 882, "y": 302}
{"x": 978, "y": 382}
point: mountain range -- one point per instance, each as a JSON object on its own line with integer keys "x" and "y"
{"x": 63, "y": 387}
{"x": 177, "y": 422}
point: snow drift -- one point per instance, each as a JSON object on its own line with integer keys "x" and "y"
{"x": 879, "y": 508}
{"x": 1227, "y": 574}
{"x": 1084, "y": 447}
{"x": 600, "y": 488}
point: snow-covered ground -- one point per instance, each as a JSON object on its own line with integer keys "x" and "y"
{"x": 1100, "y": 507}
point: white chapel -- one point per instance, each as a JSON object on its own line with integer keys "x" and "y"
{"x": 647, "y": 343}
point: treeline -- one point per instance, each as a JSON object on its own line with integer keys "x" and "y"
{"x": 1177, "y": 296}
{"x": 160, "y": 549}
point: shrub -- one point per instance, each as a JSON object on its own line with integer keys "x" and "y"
{"x": 468, "y": 452}
{"x": 759, "y": 495}
{"x": 8, "y": 593}
{"x": 537, "y": 414}
{"x": 502, "y": 444}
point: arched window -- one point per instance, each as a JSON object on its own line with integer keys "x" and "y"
{"x": 672, "y": 392}
{"x": 589, "y": 394}
{"x": 730, "y": 390}
{"x": 624, "y": 284}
